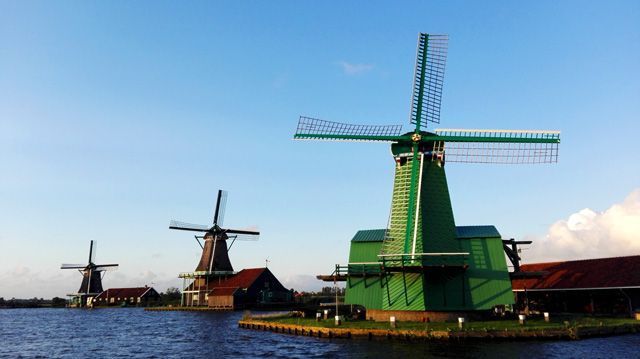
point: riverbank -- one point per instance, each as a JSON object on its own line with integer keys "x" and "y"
{"x": 183, "y": 309}
{"x": 578, "y": 328}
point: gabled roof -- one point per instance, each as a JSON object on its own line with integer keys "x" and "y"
{"x": 241, "y": 280}
{"x": 246, "y": 279}
{"x": 616, "y": 272}
{"x": 125, "y": 292}
{"x": 477, "y": 232}
{"x": 223, "y": 291}
{"x": 369, "y": 235}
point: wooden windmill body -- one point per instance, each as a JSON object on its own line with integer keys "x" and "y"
{"x": 214, "y": 264}
{"x": 92, "y": 273}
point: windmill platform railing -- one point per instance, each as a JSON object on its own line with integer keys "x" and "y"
{"x": 418, "y": 261}
{"x": 196, "y": 274}
{"x": 360, "y": 269}
{"x": 389, "y": 263}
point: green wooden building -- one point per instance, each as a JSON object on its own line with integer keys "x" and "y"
{"x": 480, "y": 283}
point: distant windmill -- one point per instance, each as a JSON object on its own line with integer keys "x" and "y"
{"x": 214, "y": 261}
{"x": 91, "y": 276}
{"x": 215, "y": 253}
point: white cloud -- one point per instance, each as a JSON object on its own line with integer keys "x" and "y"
{"x": 591, "y": 234}
{"x": 160, "y": 281}
{"x": 354, "y": 69}
{"x": 20, "y": 271}
{"x": 24, "y": 282}
{"x": 302, "y": 282}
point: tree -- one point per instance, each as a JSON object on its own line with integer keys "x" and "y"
{"x": 57, "y": 302}
{"x": 172, "y": 293}
{"x": 171, "y": 296}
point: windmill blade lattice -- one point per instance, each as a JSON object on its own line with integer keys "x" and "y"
{"x": 242, "y": 232}
{"x": 315, "y": 129}
{"x": 244, "y": 237}
{"x": 106, "y": 267}
{"x": 431, "y": 59}
{"x": 184, "y": 226}
{"x": 73, "y": 266}
{"x": 92, "y": 251}
{"x": 221, "y": 207}
{"x": 498, "y": 146}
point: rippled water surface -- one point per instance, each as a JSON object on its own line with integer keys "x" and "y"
{"x": 132, "y": 332}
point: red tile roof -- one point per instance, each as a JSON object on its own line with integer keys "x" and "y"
{"x": 124, "y": 292}
{"x": 614, "y": 272}
{"x": 223, "y": 291}
{"x": 242, "y": 279}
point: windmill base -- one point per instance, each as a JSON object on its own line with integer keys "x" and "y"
{"x": 380, "y": 315}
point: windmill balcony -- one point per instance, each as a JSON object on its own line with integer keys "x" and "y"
{"x": 403, "y": 263}
{"x": 191, "y": 275}
{"x": 423, "y": 261}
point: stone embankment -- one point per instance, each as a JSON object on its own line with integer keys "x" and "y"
{"x": 373, "y": 334}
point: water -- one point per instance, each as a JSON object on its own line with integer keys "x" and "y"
{"x": 132, "y": 332}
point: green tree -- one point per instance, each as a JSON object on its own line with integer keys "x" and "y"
{"x": 171, "y": 296}
{"x": 58, "y": 302}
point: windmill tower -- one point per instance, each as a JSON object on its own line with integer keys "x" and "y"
{"x": 92, "y": 275}
{"x": 423, "y": 262}
{"x": 214, "y": 262}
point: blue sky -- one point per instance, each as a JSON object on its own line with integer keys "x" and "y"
{"x": 116, "y": 117}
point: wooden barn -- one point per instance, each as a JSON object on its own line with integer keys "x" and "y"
{"x": 595, "y": 286}
{"x": 140, "y": 296}
{"x": 249, "y": 288}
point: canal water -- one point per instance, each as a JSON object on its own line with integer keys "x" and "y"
{"x": 132, "y": 332}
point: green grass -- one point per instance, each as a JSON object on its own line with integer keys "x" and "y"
{"x": 494, "y": 325}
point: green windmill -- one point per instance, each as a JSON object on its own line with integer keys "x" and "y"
{"x": 422, "y": 261}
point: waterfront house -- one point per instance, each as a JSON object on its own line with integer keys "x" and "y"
{"x": 139, "y": 296}
{"x": 596, "y": 286}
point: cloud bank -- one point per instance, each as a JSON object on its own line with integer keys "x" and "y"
{"x": 590, "y": 234}
{"x": 25, "y": 282}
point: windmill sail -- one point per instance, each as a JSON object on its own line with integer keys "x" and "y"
{"x": 72, "y": 266}
{"x": 315, "y": 129}
{"x": 498, "y": 146}
{"x": 184, "y": 226}
{"x": 92, "y": 251}
{"x": 428, "y": 79}
{"x": 106, "y": 267}
{"x": 244, "y": 237}
{"x": 221, "y": 206}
